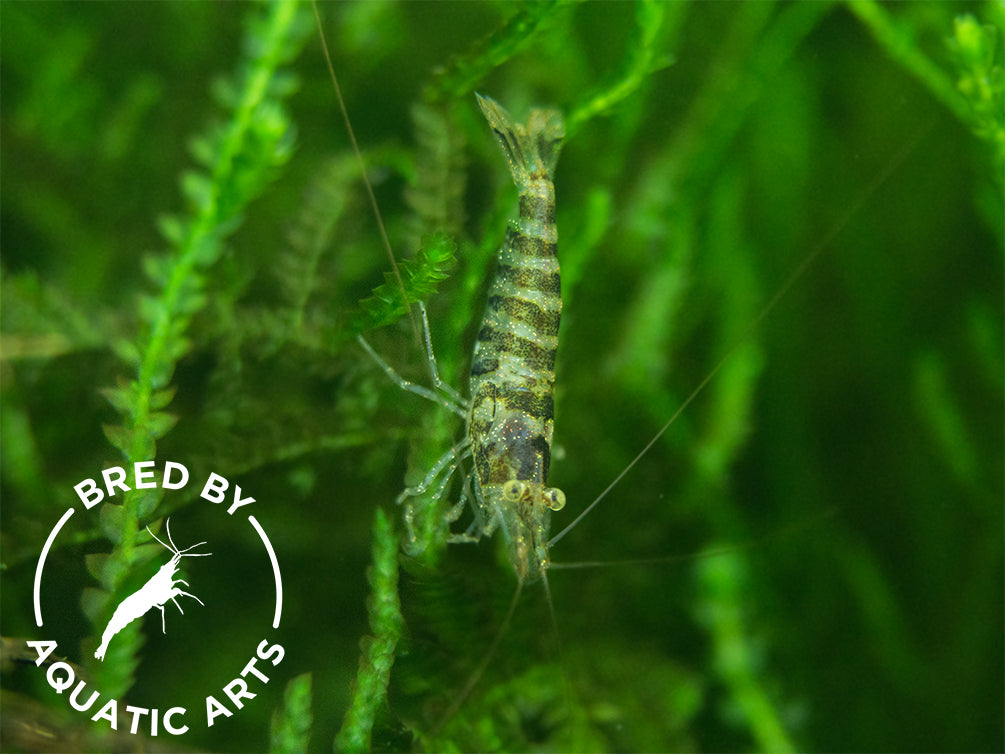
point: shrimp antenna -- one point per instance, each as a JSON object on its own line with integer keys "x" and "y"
{"x": 797, "y": 273}
{"x": 362, "y": 169}
{"x": 174, "y": 548}
{"x": 476, "y": 676}
{"x": 705, "y": 554}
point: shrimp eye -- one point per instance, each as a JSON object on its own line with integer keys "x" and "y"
{"x": 554, "y": 498}
{"x": 513, "y": 490}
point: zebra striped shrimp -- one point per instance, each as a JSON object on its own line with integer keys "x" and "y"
{"x": 510, "y": 416}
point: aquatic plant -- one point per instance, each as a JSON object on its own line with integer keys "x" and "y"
{"x": 847, "y": 455}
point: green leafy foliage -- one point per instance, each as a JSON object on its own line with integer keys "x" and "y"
{"x": 981, "y": 79}
{"x": 687, "y": 193}
{"x": 377, "y": 650}
{"x": 419, "y": 277}
{"x": 236, "y": 158}
{"x": 291, "y": 726}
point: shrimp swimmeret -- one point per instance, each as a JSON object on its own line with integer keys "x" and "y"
{"x": 161, "y": 587}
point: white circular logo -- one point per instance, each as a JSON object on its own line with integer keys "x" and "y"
{"x": 165, "y": 590}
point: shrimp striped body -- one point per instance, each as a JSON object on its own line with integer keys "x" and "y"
{"x": 511, "y": 418}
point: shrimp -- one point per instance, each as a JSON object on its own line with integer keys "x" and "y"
{"x": 510, "y": 417}
{"x": 161, "y": 587}
{"x": 512, "y": 380}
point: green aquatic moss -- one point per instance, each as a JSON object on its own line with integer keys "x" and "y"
{"x": 291, "y": 725}
{"x": 378, "y": 649}
{"x": 712, "y": 149}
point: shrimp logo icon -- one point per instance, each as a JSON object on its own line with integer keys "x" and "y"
{"x": 161, "y": 587}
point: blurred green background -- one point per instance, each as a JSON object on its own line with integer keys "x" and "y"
{"x": 845, "y": 463}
